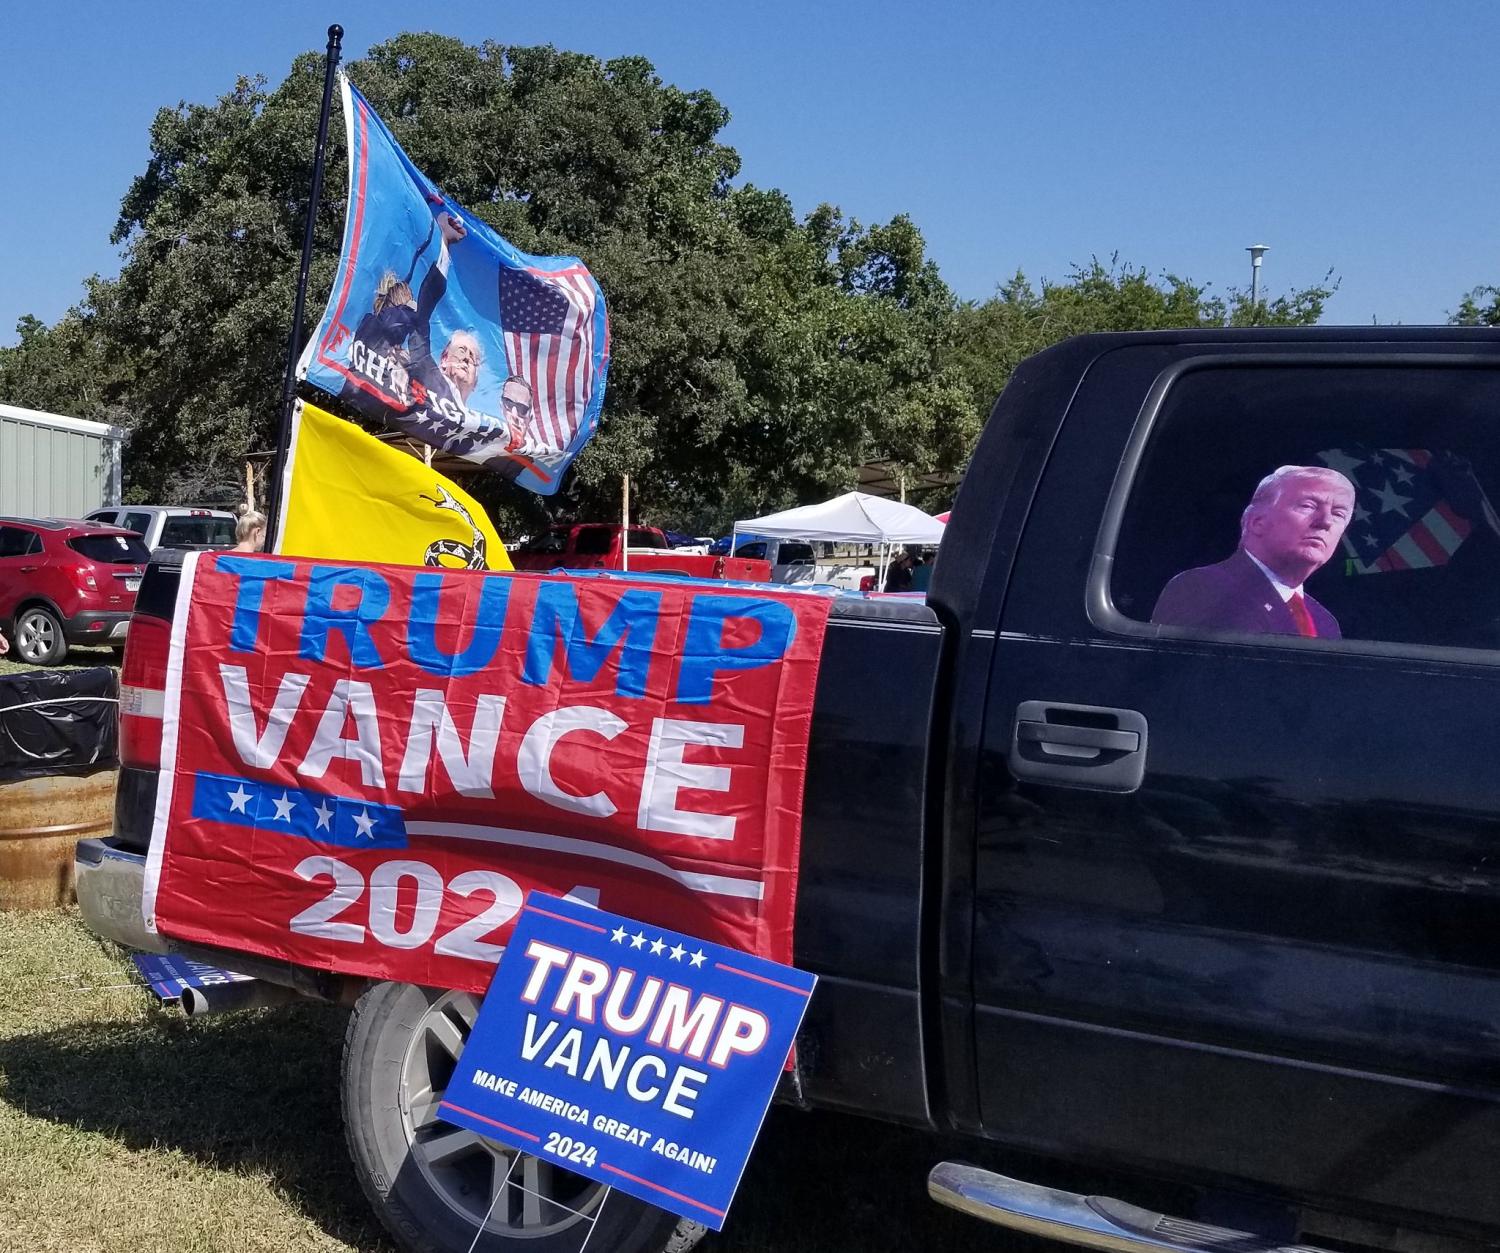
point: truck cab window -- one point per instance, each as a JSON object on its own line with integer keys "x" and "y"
{"x": 643, "y": 537}
{"x": 1352, "y": 503}
{"x": 594, "y": 541}
{"x": 550, "y": 542}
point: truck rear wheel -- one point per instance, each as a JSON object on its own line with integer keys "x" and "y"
{"x": 433, "y": 1183}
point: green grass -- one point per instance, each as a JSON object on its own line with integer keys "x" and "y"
{"x": 76, "y": 657}
{"x": 125, "y": 1126}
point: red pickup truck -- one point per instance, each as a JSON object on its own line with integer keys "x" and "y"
{"x": 601, "y": 546}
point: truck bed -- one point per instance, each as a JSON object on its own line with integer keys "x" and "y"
{"x": 860, "y": 896}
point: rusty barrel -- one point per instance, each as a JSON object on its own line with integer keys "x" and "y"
{"x": 40, "y": 822}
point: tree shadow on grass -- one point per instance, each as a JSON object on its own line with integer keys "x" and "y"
{"x": 260, "y": 1091}
{"x": 256, "y": 1091}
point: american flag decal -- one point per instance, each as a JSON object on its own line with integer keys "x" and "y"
{"x": 547, "y": 318}
{"x": 1401, "y": 521}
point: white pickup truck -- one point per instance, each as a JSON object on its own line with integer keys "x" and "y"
{"x": 168, "y": 526}
{"x": 795, "y": 561}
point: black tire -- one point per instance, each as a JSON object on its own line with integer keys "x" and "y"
{"x": 38, "y": 636}
{"x": 430, "y": 1183}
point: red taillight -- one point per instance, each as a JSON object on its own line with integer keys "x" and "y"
{"x": 143, "y": 686}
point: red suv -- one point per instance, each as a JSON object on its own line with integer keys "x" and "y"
{"x": 64, "y": 582}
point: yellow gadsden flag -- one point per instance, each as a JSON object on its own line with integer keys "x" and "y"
{"x": 349, "y": 496}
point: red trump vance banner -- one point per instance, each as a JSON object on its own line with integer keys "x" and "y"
{"x": 365, "y": 768}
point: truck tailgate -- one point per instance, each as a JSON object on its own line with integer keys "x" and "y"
{"x": 859, "y": 896}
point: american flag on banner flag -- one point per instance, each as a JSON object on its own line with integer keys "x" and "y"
{"x": 547, "y": 318}
{"x": 1401, "y": 521}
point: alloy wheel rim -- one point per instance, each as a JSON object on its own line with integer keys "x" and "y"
{"x": 35, "y": 637}
{"x": 468, "y": 1170}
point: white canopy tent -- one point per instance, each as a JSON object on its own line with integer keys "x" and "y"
{"x": 853, "y": 517}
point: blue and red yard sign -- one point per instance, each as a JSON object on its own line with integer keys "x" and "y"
{"x": 169, "y": 976}
{"x": 632, "y": 1054}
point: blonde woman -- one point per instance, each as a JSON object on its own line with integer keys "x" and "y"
{"x": 250, "y": 532}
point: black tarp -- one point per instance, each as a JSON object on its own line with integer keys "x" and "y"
{"x": 58, "y": 722}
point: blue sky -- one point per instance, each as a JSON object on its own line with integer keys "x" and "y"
{"x": 1359, "y": 137}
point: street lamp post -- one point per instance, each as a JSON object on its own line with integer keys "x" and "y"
{"x": 1256, "y": 251}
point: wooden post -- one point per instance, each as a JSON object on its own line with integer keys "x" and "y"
{"x": 625, "y": 518}
{"x": 250, "y": 486}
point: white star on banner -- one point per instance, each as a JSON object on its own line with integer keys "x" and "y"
{"x": 697, "y": 958}
{"x": 677, "y": 952}
{"x": 325, "y": 815}
{"x": 657, "y": 945}
{"x": 1391, "y": 499}
{"x": 618, "y": 935}
{"x": 1341, "y": 461}
{"x": 283, "y": 808}
{"x": 238, "y": 799}
{"x": 638, "y": 940}
{"x": 365, "y": 823}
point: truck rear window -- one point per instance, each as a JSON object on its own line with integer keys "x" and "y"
{"x": 211, "y": 531}
{"x": 641, "y": 538}
{"x": 593, "y": 541}
{"x": 116, "y": 550}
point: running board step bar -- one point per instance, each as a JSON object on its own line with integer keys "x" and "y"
{"x": 1096, "y": 1222}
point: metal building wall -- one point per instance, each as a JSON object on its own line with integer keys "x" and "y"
{"x": 55, "y": 467}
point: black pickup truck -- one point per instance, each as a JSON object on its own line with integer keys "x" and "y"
{"x": 1202, "y": 886}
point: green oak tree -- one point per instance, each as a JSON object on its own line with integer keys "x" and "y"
{"x": 995, "y": 336}
{"x": 757, "y": 357}
{"x": 69, "y": 367}
{"x": 1481, "y": 307}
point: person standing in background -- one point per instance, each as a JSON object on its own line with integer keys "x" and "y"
{"x": 921, "y": 575}
{"x": 250, "y": 532}
{"x": 898, "y": 577}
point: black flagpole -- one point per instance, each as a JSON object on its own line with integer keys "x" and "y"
{"x": 294, "y": 340}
